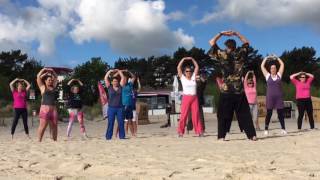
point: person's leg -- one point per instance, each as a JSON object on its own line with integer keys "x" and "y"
{"x": 17, "y": 114}
{"x": 185, "y": 107}
{"x": 111, "y": 117}
{"x": 43, "y": 123}
{"x": 129, "y": 117}
{"x": 120, "y": 119}
{"x": 42, "y": 127}
{"x": 126, "y": 119}
{"x": 309, "y": 108}
{"x": 134, "y": 123}
{"x": 196, "y": 116}
{"x": 202, "y": 118}
{"x": 25, "y": 121}
{"x": 301, "y": 108}
{"x": 225, "y": 115}
{"x": 267, "y": 120}
{"x": 281, "y": 118}
{"x": 53, "y": 123}
{"x": 81, "y": 122}
{"x": 255, "y": 116}
{"x": 244, "y": 116}
{"x": 72, "y": 116}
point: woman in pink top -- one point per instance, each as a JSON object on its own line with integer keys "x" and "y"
{"x": 189, "y": 98}
{"x": 250, "y": 88}
{"x": 304, "y": 103}
{"x": 19, "y": 93}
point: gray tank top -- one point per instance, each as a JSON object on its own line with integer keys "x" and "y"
{"x": 49, "y": 97}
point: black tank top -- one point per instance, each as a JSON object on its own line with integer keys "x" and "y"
{"x": 49, "y": 97}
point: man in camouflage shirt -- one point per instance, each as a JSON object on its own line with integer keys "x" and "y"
{"x": 232, "y": 61}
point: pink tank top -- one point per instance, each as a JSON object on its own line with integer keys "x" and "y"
{"x": 19, "y": 99}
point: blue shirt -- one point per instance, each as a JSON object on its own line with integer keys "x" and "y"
{"x": 127, "y": 96}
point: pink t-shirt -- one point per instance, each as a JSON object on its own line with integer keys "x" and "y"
{"x": 302, "y": 89}
{"x": 251, "y": 92}
{"x": 19, "y": 99}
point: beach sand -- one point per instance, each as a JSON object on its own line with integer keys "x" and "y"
{"x": 160, "y": 154}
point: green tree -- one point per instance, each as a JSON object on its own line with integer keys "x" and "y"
{"x": 90, "y": 73}
{"x": 301, "y": 59}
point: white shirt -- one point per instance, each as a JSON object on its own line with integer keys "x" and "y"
{"x": 189, "y": 86}
{"x": 274, "y": 78}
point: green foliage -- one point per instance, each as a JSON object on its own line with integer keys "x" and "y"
{"x": 155, "y": 72}
{"x": 90, "y": 73}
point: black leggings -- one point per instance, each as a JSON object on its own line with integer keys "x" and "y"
{"x": 17, "y": 113}
{"x": 280, "y": 113}
{"x": 305, "y": 105}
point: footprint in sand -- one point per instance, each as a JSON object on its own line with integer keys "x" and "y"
{"x": 86, "y": 166}
{"x": 173, "y": 173}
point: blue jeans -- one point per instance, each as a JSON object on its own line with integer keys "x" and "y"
{"x": 112, "y": 113}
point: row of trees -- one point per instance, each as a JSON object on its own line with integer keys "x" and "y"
{"x": 155, "y": 72}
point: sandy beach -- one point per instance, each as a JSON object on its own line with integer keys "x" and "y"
{"x": 160, "y": 154}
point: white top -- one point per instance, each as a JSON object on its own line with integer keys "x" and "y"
{"x": 273, "y": 78}
{"x": 189, "y": 86}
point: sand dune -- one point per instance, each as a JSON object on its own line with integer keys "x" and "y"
{"x": 160, "y": 154}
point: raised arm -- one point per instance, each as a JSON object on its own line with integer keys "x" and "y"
{"x": 80, "y": 82}
{"x": 55, "y": 77}
{"x": 241, "y": 37}
{"x": 263, "y": 67}
{"x": 12, "y": 84}
{"x": 196, "y": 66}
{"x": 133, "y": 77}
{"x": 179, "y": 67}
{"x": 122, "y": 81}
{"x": 281, "y": 69}
{"x": 40, "y": 75}
{"x": 71, "y": 81}
{"x": 214, "y": 40}
{"x": 254, "y": 78}
{"x": 246, "y": 77}
{"x": 27, "y": 83}
{"x": 106, "y": 78}
{"x": 310, "y": 75}
{"x": 139, "y": 85}
{"x": 292, "y": 76}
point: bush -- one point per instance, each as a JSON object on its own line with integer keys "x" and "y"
{"x": 91, "y": 112}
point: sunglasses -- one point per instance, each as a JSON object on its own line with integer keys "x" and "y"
{"x": 188, "y": 71}
{"x": 303, "y": 77}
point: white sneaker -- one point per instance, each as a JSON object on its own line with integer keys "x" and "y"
{"x": 266, "y": 132}
{"x": 283, "y": 132}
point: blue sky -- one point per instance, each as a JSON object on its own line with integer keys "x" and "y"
{"x": 79, "y": 34}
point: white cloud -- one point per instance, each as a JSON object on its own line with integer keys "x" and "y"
{"x": 28, "y": 25}
{"x": 265, "y": 13}
{"x": 131, "y": 27}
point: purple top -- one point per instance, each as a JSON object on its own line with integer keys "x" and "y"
{"x": 274, "y": 93}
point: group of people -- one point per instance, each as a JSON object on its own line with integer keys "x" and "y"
{"x": 121, "y": 103}
{"x": 237, "y": 85}
{"x": 238, "y": 93}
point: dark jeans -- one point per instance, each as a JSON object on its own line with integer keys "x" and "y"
{"x": 280, "y": 113}
{"x": 305, "y": 105}
{"x": 228, "y": 104}
{"x": 17, "y": 113}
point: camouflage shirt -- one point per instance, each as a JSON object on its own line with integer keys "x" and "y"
{"x": 231, "y": 66}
